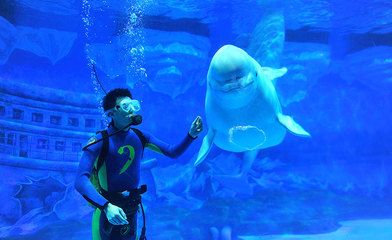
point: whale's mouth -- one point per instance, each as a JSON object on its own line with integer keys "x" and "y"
{"x": 235, "y": 85}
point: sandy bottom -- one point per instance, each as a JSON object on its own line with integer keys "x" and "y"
{"x": 372, "y": 229}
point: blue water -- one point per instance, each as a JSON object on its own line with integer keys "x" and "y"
{"x": 334, "y": 185}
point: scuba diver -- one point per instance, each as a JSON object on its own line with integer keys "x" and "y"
{"x": 109, "y": 169}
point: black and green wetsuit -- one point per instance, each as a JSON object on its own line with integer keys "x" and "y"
{"x": 120, "y": 172}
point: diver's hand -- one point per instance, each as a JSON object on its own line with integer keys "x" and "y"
{"x": 115, "y": 215}
{"x": 196, "y": 128}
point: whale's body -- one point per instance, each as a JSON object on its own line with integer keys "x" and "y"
{"x": 246, "y": 119}
{"x": 243, "y": 111}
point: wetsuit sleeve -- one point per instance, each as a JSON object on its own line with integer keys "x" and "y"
{"x": 82, "y": 182}
{"x": 172, "y": 151}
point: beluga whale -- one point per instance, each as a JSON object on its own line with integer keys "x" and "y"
{"x": 243, "y": 112}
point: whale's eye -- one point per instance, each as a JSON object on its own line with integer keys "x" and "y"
{"x": 256, "y": 74}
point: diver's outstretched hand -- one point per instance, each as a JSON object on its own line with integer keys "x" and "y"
{"x": 115, "y": 215}
{"x": 196, "y": 128}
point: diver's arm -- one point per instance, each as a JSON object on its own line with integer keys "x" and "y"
{"x": 173, "y": 151}
{"x": 83, "y": 184}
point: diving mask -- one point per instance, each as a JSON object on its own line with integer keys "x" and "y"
{"x": 128, "y": 105}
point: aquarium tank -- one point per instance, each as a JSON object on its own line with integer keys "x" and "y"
{"x": 244, "y": 119}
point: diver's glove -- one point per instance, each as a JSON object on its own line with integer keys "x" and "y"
{"x": 115, "y": 215}
{"x": 196, "y": 127}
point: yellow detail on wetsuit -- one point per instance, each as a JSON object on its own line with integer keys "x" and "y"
{"x": 154, "y": 148}
{"x": 103, "y": 178}
{"x": 131, "y": 156}
{"x": 95, "y": 224}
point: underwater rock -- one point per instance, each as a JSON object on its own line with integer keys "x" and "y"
{"x": 37, "y": 199}
{"x": 189, "y": 203}
{"x": 267, "y": 164}
{"x": 267, "y": 40}
{"x": 226, "y": 163}
{"x": 353, "y": 230}
{"x": 49, "y": 43}
{"x": 49, "y": 95}
{"x": 201, "y": 186}
{"x": 366, "y": 17}
{"x": 315, "y": 15}
{"x": 73, "y": 206}
{"x": 207, "y": 179}
{"x": 146, "y": 177}
{"x": 8, "y": 39}
{"x": 372, "y": 67}
{"x": 179, "y": 10}
{"x": 60, "y": 7}
{"x": 225, "y": 166}
{"x": 12, "y": 210}
{"x": 174, "y": 178}
{"x": 30, "y": 223}
{"x": 267, "y": 181}
{"x": 163, "y": 65}
{"x": 190, "y": 49}
{"x": 175, "y": 66}
{"x": 286, "y": 211}
{"x": 40, "y": 193}
{"x": 306, "y": 63}
{"x": 165, "y": 79}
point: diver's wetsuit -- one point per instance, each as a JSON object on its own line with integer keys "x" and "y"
{"x": 120, "y": 172}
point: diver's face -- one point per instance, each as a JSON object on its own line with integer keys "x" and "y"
{"x": 124, "y": 110}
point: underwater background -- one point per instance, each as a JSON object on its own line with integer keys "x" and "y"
{"x": 335, "y": 185}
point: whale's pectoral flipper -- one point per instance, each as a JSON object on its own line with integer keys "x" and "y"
{"x": 205, "y": 147}
{"x": 273, "y": 73}
{"x": 289, "y": 123}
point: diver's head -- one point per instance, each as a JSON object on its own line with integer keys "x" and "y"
{"x": 119, "y": 105}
